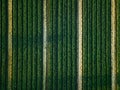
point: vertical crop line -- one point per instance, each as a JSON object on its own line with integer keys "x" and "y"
{"x": 9, "y": 44}
{"x": 79, "y": 45}
{"x": 44, "y": 44}
{"x": 0, "y": 43}
{"x": 113, "y": 43}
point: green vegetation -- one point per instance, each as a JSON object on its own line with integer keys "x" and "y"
{"x": 61, "y": 65}
{"x": 25, "y": 46}
{"x": 108, "y": 43}
{"x": 60, "y": 44}
{"x": 74, "y": 44}
{"x": 15, "y": 46}
{"x": 65, "y": 45}
{"x": 20, "y": 39}
{"x": 49, "y": 84}
{"x": 3, "y": 39}
{"x": 55, "y": 43}
{"x": 39, "y": 26}
{"x": 0, "y": 43}
{"x": 96, "y": 45}
{"x": 85, "y": 45}
{"x": 118, "y": 44}
{"x": 30, "y": 45}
